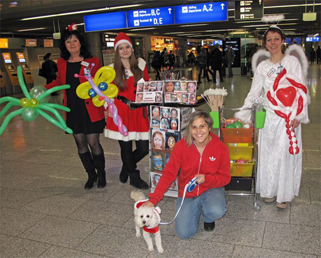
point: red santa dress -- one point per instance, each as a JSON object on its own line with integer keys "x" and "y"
{"x": 136, "y": 120}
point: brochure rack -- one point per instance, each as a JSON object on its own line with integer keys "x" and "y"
{"x": 242, "y": 144}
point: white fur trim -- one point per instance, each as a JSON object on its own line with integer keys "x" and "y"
{"x": 122, "y": 41}
{"x": 298, "y": 52}
{"x": 136, "y": 136}
{"x": 258, "y": 57}
{"x": 138, "y": 202}
{"x": 141, "y": 63}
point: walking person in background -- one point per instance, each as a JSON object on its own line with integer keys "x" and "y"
{"x": 312, "y": 55}
{"x": 171, "y": 58}
{"x": 157, "y": 64}
{"x": 202, "y": 63}
{"x": 129, "y": 71}
{"x": 229, "y": 58}
{"x": 216, "y": 62}
{"x": 49, "y": 70}
{"x": 85, "y": 119}
{"x": 318, "y": 54}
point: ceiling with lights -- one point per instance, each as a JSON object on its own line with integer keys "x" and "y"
{"x": 17, "y": 17}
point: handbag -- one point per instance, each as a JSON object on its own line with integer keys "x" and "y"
{"x": 41, "y": 73}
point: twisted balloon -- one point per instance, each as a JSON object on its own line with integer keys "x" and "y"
{"x": 103, "y": 93}
{"x": 34, "y": 104}
{"x": 287, "y": 98}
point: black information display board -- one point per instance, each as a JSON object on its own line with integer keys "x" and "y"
{"x": 246, "y": 10}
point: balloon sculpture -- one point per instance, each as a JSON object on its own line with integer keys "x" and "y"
{"x": 105, "y": 92}
{"x": 288, "y": 102}
{"x": 33, "y": 105}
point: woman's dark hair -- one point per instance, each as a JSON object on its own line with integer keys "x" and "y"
{"x": 84, "y": 51}
{"x": 46, "y": 56}
{"x": 273, "y": 29}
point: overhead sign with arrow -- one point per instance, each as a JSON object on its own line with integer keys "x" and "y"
{"x": 196, "y": 13}
{"x": 150, "y": 17}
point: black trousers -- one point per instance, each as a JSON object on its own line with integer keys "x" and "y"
{"x": 214, "y": 74}
{"x": 129, "y": 157}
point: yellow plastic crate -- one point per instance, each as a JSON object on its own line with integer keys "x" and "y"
{"x": 241, "y": 152}
{"x": 242, "y": 135}
{"x": 241, "y": 170}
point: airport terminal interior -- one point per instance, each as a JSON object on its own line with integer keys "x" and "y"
{"x": 45, "y": 210}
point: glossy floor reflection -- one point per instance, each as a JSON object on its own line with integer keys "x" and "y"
{"x": 45, "y": 211}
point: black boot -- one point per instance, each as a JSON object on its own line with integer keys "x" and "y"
{"x": 136, "y": 181}
{"x": 88, "y": 163}
{"x": 123, "y": 176}
{"x": 99, "y": 161}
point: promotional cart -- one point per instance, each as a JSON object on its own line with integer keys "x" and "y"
{"x": 242, "y": 143}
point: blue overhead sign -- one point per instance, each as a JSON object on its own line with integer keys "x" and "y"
{"x": 105, "y": 21}
{"x": 150, "y": 17}
{"x": 312, "y": 39}
{"x": 196, "y": 13}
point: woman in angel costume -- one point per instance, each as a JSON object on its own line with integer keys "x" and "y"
{"x": 279, "y": 80}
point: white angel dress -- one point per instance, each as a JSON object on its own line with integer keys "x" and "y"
{"x": 278, "y": 172}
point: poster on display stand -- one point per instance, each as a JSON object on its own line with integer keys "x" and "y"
{"x": 167, "y": 127}
{"x": 170, "y": 104}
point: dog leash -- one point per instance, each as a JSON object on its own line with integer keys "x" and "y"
{"x": 189, "y": 187}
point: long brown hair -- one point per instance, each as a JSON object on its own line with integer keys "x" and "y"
{"x": 197, "y": 114}
{"x": 120, "y": 79}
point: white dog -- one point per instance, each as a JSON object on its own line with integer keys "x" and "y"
{"x": 147, "y": 218}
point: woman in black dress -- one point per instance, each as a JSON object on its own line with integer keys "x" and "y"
{"x": 86, "y": 120}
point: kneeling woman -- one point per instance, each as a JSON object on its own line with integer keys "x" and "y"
{"x": 200, "y": 153}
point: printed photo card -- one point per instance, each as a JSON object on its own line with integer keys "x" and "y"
{"x": 149, "y": 92}
{"x": 157, "y": 139}
{"x": 157, "y": 161}
{"x": 180, "y": 91}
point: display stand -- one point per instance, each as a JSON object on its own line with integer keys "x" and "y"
{"x": 167, "y": 126}
{"x": 170, "y": 102}
{"x": 242, "y": 144}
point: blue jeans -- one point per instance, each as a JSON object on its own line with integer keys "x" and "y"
{"x": 211, "y": 204}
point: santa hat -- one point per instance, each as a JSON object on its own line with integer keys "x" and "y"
{"x": 157, "y": 210}
{"x": 122, "y": 38}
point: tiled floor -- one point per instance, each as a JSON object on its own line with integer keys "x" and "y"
{"x": 45, "y": 211}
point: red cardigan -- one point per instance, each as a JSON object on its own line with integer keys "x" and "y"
{"x": 214, "y": 163}
{"x": 94, "y": 112}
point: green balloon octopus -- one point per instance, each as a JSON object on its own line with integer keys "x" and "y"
{"x": 34, "y": 104}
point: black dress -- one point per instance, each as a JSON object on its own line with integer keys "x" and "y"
{"x": 78, "y": 118}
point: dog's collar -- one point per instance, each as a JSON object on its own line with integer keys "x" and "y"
{"x": 151, "y": 230}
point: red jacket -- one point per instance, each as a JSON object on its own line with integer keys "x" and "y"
{"x": 214, "y": 164}
{"x": 94, "y": 112}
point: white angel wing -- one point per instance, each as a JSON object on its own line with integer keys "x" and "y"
{"x": 258, "y": 57}
{"x": 298, "y": 52}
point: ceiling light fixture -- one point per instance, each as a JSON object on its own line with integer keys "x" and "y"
{"x": 194, "y": 25}
{"x": 264, "y": 25}
{"x": 286, "y": 6}
{"x": 79, "y": 12}
{"x": 42, "y": 28}
{"x": 142, "y": 29}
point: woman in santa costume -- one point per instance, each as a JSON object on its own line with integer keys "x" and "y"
{"x": 279, "y": 80}
{"x": 129, "y": 71}
{"x": 85, "y": 119}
